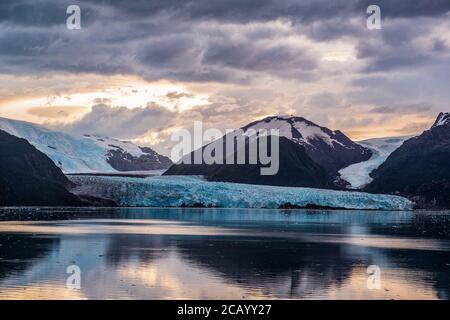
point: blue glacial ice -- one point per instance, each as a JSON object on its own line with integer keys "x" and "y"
{"x": 177, "y": 191}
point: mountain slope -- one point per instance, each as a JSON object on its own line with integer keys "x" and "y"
{"x": 296, "y": 169}
{"x": 29, "y": 178}
{"x": 85, "y": 154}
{"x": 420, "y": 168}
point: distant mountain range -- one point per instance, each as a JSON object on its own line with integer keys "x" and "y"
{"x": 88, "y": 153}
{"x": 310, "y": 156}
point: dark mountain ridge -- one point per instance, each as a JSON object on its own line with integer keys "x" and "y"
{"x": 296, "y": 169}
{"x": 420, "y": 168}
{"x": 29, "y": 178}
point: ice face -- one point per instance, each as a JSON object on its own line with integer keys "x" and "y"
{"x": 176, "y": 191}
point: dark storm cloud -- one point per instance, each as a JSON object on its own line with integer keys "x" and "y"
{"x": 35, "y": 13}
{"x": 401, "y": 44}
{"x": 396, "y": 61}
{"x": 234, "y": 10}
{"x": 244, "y": 11}
{"x": 249, "y": 55}
{"x": 166, "y": 51}
{"x": 188, "y": 40}
{"x": 408, "y": 8}
{"x": 36, "y": 51}
{"x": 42, "y": 13}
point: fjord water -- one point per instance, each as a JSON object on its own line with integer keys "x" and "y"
{"x": 151, "y": 253}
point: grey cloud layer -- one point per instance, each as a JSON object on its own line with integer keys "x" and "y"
{"x": 121, "y": 121}
{"x": 239, "y": 43}
{"x": 190, "y": 40}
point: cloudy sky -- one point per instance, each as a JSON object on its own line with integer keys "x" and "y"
{"x": 142, "y": 69}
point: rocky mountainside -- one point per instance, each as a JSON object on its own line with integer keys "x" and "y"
{"x": 88, "y": 153}
{"x": 295, "y": 169}
{"x": 420, "y": 168}
{"x": 29, "y": 178}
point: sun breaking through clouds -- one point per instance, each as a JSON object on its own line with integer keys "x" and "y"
{"x": 160, "y": 65}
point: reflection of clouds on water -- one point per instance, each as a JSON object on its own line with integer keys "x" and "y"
{"x": 39, "y": 291}
{"x": 394, "y": 285}
{"x": 167, "y": 278}
{"x": 312, "y": 256}
{"x": 49, "y": 269}
{"x": 284, "y": 269}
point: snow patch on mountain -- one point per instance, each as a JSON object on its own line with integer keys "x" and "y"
{"x": 310, "y": 132}
{"x": 333, "y": 150}
{"x": 178, "y": 191}
{"x": 442, "y": 119}
{"x": 305, "y": 131}
{"x": 111, "y": 143}
{"x": 358, "y": 174}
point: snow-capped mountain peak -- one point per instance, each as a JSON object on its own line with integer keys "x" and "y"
{"x": 331, "y": 149}
{"x": 442, "y": 119}
{"x": 301, "y": 131}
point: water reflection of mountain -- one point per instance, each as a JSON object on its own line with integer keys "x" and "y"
{"x": 285, "y": 256}
{"x": 142, "y": 248}
{"x": 435, "y": 265}
{"x": 18, "y": 251}
{"x": 278, "y": 268}
{"x": 281, "y": 268}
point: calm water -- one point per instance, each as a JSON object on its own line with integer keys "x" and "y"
{"x": 223, "y": 254}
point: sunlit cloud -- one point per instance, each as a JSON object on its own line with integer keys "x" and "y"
{"x": 226, "y": 66}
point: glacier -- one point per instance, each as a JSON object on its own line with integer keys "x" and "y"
{"x": 178, "y": 191}
{"x": 358, "y": 174}
{"x": 71, "y": 153}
